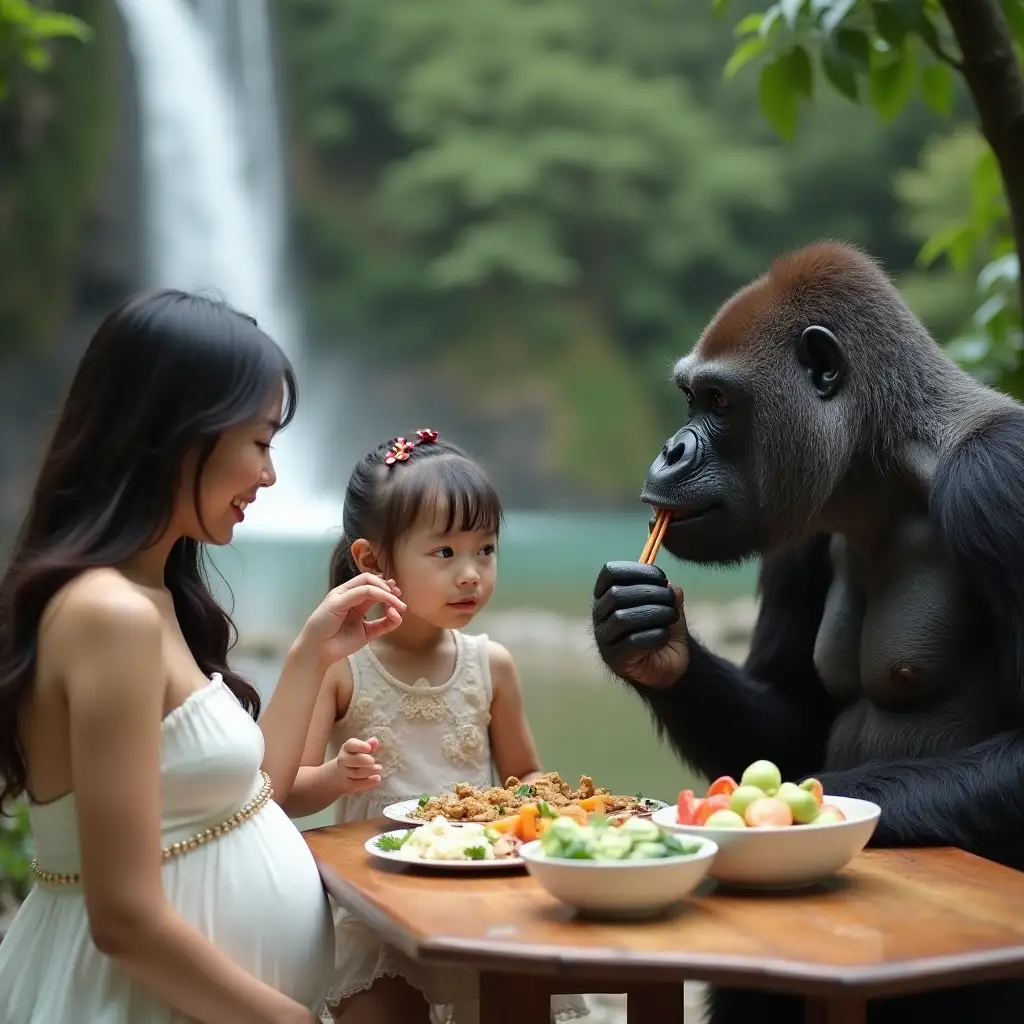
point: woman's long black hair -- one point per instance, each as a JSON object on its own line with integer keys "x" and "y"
{"x": 164, "y": 376}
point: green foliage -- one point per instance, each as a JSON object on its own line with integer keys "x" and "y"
{"x": 886, "y": 52}
{"x": 25, "y": 32}
{"x": 54, "y": 135}
{"x": 935, "y": 194}
{"x": 573, "y": 164}
{"x": 15, "y": 856}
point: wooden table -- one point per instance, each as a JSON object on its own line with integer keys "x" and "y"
{"x": 893, "y": 922}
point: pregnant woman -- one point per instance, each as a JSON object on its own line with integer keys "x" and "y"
{"x": 170, "y": 887}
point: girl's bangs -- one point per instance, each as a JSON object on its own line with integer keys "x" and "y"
{"x": 450, "y": 493}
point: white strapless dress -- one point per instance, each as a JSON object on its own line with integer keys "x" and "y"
{"x": 254, "y": 891}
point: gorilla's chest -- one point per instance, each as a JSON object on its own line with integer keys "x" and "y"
{"x": 899, "y": 627}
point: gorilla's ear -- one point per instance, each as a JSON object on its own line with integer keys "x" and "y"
{"x": 818, "y": 352}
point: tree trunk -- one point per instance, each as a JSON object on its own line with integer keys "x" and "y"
{"x": 994, "y": 79}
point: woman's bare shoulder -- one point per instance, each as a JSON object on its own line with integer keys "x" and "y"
{"x": 99, "y": 606}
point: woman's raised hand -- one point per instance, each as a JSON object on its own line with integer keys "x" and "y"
{"x": 339, "y": 626}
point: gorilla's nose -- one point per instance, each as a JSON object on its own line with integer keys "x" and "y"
{"x": 679, "y": 457}
{"x": 681, "y": 450}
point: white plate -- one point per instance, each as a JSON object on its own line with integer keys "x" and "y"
{"x": 401, "y": 811}
{"x": 398, "y": 857}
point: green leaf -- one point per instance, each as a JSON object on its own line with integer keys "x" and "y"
{"x": 476, "y": 853}
{"x": 843, "y": 56}
{"x": 937, "y": 88}
{"x": 897, "y": 19}
{"x": 790, "y": 10}
{"x": 748, "y": 24}
{"x": 423, "y": 801}
{"x": 525, "y": 789}
{"x": 36, "y": 57}
{"x": 889, "y": 25}
{"x": 955, "y": 241}
{"x": 17, "y": 12}
{"x": 392, "y": 843}
{"x": 800, "y": 71}
{"x": 771, "y": 19}
{"x": 54, "y": 25}
{"x": 1013, "y": 10}
{"x": 839, "y": 71}
{"x": 988, "y": 200}
{"x": 834, "y": 13}
{"x": 779, "y": 96}
{"x": 891, "y": 82}
{"x": 1004, "y": 272}
{"x": 856, "y": 47}
{"x": 744, "y": 54}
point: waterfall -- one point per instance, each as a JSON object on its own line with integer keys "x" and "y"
{"x": 214, "y": 204}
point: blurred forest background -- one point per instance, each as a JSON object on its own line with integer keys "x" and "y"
{"x": 515, "y": 213}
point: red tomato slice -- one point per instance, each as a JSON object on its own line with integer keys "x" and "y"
{"x": 708, "y": 806}
{"x": 723, "y": 784}
{"x": 685, "y": 807}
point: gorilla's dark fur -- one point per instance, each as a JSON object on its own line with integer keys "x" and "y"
{"x": 884, "y": 489}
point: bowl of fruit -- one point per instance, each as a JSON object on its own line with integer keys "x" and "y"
{"x": 771, "y": 833}
{"x": 629, "y": 870}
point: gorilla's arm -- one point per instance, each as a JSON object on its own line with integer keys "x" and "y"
{"x": 973, "y": 799}
{"x": 721, "y": 717}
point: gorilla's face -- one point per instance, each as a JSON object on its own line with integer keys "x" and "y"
{"x": 699, "y": 474}
{"x": 760, "y": 453}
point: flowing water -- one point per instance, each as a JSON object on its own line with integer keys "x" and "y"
{"x": 213, "y": 180}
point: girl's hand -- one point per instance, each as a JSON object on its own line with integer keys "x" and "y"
{"x": 339, "y": 626}
{"x": 357, "y": 766}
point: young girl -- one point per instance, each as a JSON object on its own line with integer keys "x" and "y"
{"x": 424, "y": 707}
{"x": 170, "y": 887}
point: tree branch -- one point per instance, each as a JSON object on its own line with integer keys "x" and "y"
{"x": 944, "y": 55}
{"x": 996, "y": 84}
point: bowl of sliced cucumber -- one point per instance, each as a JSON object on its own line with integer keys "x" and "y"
{"x": 628, "y": 870}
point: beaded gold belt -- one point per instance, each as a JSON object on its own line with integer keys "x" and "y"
{"x": 244, "y": 813}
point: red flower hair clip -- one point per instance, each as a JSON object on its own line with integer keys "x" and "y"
{"x": 400, "y": 448}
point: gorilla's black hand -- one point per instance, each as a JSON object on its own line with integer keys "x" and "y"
{"x": 638, "y": 624}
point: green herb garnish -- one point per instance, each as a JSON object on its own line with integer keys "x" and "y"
{"x": 476, "y": 853}
{"x": 524, "y": 790}
{"x": 501, "y": 810}
{"x": 423, "y": 801}
{"x": 639, "y": 797}
{"x": 393, "y": 842}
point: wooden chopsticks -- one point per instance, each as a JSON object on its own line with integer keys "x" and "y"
{"x": 656, "y": 536}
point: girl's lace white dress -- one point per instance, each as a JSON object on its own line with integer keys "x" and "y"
{"x": 431, "y": 737}
{"x": 252, "y": 889}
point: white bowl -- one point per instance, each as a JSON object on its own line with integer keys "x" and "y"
{"x": 784, "y": 857}
{"x": 619, "y": 888}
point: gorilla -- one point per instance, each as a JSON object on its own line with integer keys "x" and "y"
{"x": 883, "y": 489}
